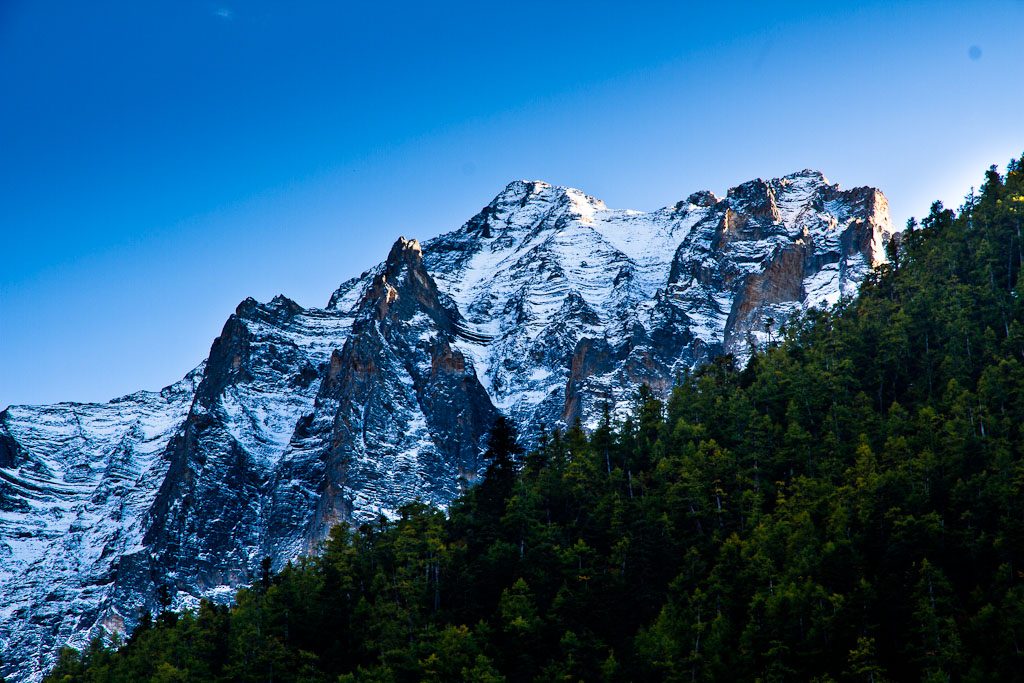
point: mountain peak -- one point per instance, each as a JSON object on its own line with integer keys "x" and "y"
{"x": 524, "y": 187}
{"x": 702, "y": 198}
{"x": 527, "y": 191}
{"x": 808, "y": 174}
{"x": 545, "y": 306}
{"x": 403, "y": 250}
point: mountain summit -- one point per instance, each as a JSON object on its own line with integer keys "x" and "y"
{"x": 544, "y": 307}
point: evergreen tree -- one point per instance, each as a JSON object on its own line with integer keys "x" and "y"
{"x": 848, "y": 507}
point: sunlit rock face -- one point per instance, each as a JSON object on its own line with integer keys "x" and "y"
{"x": 567, "y": 304}
{"x": 544, "y": 307}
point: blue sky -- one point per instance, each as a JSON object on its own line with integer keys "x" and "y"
{"x": 161, "y": 161}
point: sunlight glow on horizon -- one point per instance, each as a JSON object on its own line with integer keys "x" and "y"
{"x": 163, "y": 163}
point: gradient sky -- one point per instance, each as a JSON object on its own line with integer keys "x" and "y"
{"x": 161, "y": 161}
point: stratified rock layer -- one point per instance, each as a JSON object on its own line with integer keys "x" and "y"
{"x": 544, "y": 306}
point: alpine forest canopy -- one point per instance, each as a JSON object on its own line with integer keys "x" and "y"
{"x": 848, "y": 507}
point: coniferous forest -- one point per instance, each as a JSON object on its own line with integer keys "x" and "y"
{"x": 847, "y": 507}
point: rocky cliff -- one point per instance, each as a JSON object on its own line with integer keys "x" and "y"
{"x": 543, "y": 307}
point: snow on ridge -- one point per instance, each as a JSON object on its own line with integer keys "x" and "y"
{"x": 92, "y": 472}
{"x": 509, "y": 269}
{"x": 539, "y": 270}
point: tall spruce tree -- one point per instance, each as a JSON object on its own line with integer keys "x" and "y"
{"x": 848, "y": 507}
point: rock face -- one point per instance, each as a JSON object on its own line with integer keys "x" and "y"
{"x": 543, "y": 307}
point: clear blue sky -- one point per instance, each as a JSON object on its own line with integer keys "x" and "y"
{"x": 161, "y": 161}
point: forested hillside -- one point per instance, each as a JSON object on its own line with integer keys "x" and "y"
{"x": 848, "y": 507}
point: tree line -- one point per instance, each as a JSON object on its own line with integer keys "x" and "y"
{"x": 847, "y": 507}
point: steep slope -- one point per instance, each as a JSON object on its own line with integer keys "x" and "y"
{"x": 848, "y": 507}
{"x": 204, "y": 531}
{"x": 543, "y": 307}
{"x": 104, "y": 504}
{"x": 399, "y": 414}
{"x": 568, "y": 304}
{"x": 75, "y": 483}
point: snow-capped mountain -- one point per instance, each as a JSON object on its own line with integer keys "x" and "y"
{"x": 543, "y": 306}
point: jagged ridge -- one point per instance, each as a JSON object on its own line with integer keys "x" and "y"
{"x": 543, "y": 306}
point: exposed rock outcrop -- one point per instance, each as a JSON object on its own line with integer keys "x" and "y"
{"x": 544, "y": 307}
